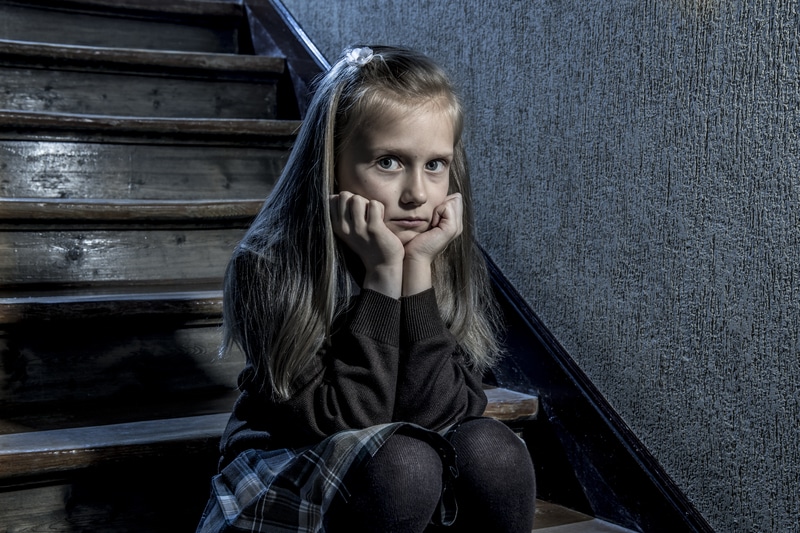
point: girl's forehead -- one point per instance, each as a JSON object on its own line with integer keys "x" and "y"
{"x": 438, "y": 108}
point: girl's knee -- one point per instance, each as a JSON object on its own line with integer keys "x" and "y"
{"x": 406, "y": 464}
{"x": 487, "y": 439}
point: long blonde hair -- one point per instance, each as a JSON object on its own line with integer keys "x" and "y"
{"x": 287, "y": 280}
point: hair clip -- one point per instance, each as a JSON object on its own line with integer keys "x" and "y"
{"x": 358, "y": 57}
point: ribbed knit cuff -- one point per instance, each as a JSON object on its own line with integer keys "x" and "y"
{"x": 421, "y": 318}
{"x": 377, "y": 316}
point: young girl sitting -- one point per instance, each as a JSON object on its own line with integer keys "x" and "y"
{"x": 362, "y": 304}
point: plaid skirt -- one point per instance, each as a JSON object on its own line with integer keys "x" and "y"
{"x": 290, "y": 490}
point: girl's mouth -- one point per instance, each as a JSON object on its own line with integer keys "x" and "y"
{"x": 410, "y": 223}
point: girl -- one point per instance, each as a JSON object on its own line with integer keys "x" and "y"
{"x": 363, "y": 307}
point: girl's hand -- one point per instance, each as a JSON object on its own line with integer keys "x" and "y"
{"x": 358, "y": 222}
{"x": 447, "y": 224}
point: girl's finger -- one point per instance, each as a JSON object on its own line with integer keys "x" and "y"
{"x": 374, "y": 215}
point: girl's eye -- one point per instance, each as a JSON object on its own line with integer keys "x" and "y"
{"x": 388, "y": 163}
{"x": 435, "y": 166}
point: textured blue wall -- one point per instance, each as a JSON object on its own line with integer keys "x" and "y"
{"x": 636, "y": 169}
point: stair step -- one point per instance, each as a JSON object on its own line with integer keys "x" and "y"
{"x": 106, "y": 59}
{"x": 550, "y": 515}
{"x": 131, "y": 256}
{"x": 186, "y": 25}
{"x": 93, "y": 212}
{"x": 126, "y": 82}
{"x": 46, "y": 125}
{"x": 192, "y": 305}
{"x": 74, "y": 157}
{"x": 34, "y": 454}
{"x": 37, "y": 453}
{"x": 113, "y": 369}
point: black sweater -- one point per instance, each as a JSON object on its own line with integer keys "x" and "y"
{"x": 388, "y": 361}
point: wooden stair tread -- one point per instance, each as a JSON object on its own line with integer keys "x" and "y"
{"x": 109, "y": 210}
{"x": 218, "y": 65}
{"x": 188, "y": 25}
{"x": 39, "y": 121}
{"x": 204, "y": 8}
{"x": 188, "y": 304}
{"x": 38, "y": 453}
{"x": 510, "y": 406}
{"x": 550, "y": 515}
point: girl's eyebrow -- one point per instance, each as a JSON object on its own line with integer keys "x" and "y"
{"x": 380, "y": 149}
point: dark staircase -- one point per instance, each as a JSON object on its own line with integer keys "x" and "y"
{"x": 138, "y": 139}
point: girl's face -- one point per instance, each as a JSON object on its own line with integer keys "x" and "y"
{"x": 403, "y": 161}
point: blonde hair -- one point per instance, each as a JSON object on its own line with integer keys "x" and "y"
{"x": 287, "y": 280}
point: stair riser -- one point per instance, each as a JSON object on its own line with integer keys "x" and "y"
{"x": 31, "y": 169}
{"x": 108, "y": 257}
{"x": 128, "y": 498}
{"x": 24, "y": 23}
{"x": 42, "y": 90}
{"x": 93, "y": 372}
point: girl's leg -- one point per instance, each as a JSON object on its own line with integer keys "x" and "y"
{"x": 396, "y": 491}
{"x": 496, "y": 487}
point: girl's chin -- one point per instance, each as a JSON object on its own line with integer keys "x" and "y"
{"x": 405, "y": 236}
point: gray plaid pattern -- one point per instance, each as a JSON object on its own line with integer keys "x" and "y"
{"x": 286, "y": 490}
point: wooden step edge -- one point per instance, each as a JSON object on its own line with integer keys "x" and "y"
{"x": 95, "y": 57}
{"x": 151, "y": 8}
{"x": 39, "y": 121}
{"x": 552, "y": 515}
{"x": 40, "y": 453}
{"x": 198, "y": 304}
{"x": 511, "y": 406}
{"x": 40, "y": 210}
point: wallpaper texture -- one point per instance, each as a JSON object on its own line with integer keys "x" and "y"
{"x": 636, "y": 170}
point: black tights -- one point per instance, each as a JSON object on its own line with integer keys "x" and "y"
{"x": 398, "y": 489}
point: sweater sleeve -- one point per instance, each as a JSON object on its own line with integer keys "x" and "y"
{"x": 352, "y": 382}
{"x": 435, "y": 386}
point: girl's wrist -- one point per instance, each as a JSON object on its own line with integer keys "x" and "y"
{"x": 385, "y": 279}
{"x": 417, "y": 276}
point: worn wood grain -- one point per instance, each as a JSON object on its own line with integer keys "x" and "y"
{"x": 46, "y": 452}
{"x": 214, "y": 9}
{"x": 44, "y": 125}
{"x": 192, "y": 306}
{"x": 511, "y": 406}
{"x": 57, "y": 258}
{"x": 192, "y": 26}
{"x": 62, "y": 91}
{"x": 162, "y": 62}
{"x": 75, "y": 170}
{"x": 20, "y": 211}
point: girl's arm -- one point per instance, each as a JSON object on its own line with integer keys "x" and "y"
{"x": 358, "y": 222}
{"x": 353, "y": 382}
{"x": 420, "y": 251}
{"x": 435, "y": 386}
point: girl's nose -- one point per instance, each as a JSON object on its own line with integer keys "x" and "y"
{"x": 414, "y": 192}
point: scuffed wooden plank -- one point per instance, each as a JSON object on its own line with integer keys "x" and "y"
{"x": 508, "y": 405}
{"x": 92, "y": 211}
{"x": 101, "y": 257}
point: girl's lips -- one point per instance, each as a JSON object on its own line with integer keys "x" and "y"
{"x": 410, "y": 223}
